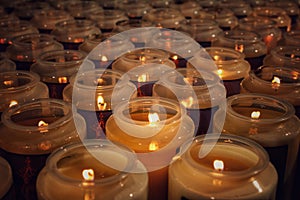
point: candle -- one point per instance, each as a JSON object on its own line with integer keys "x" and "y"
{"x": 80, "y": 10}
{"x": 95, "y": 169}
{"x": 91, "y": 93}
{"x": 247, "y": 42}
{"x": 154, "y": 128}
{"x": 276, "y": 129}
{"x": 281, "y": 82}
{"x": 200, "y": 92}
{"x": 228, "y": 64}
{"x": 6, "y": 190}
{"x": 222, "y": 167}
{"x": 18, "y": 87}
{"x": 26, "y": 141}
{"x": 134, "y": 10}
{"x": 56, "y": 67}
{"x": 224, "y": 16}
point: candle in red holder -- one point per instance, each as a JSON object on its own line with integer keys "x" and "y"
{"x": 30, "y": 132}
{"x": 91, "y": 93}
{"x": 200, "y": 92}
{"x": 56, "y": 67}
{"x": 247, "y": 42}
{"x": 272, "y": 123}
{"x": 25, "y": 49}
{"x": 72, "y": 33}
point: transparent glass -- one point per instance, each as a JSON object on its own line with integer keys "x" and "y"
{"x": 56, "y": 67}
{"x": 134, "y": 9}
{"x": 247, "y": 42}
{"x": 272, "y": 123}
{"x": 240, "y": 8}
{"x": 6, "y": 178}
{"x": 61, "y": 178}
{"x": 247, "y": 172}
{"x": 81, "y": 9}
{"x": 204, "y": 31}
{"x": 72, "y": 33}
{"x": 6, "y": 64}
{"x": 45, "y": 20}
{"x": 284, "y": 56}
{"x": 291, "y": 38}
{"x": 25, "y": 9}
{"x": 25, "y": 49}
{"x": 225, "y": 17}
{"x": 20, "y": 86}
{"x": 289, "y": 6}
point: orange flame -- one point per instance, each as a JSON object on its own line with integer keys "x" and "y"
{"x": 8, "y": 83}
{"x": 101, "y": 104}
{"x": 63, "y": 79}
{"x": 13, "y": 103}
{"x": 88, "y": 174}
{"x": 142, "y": 78}
{"x": 219, "y": 165}
{"x": 153, "y": 146}
{"x": 42, "y": 124}
{"x": 239, "y": 47}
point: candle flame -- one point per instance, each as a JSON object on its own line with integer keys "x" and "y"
{"x": 101, "y": 104}
{"x": 239, "y": 47}
{"x": 255, "y": 114}
{"x": 13, "y": 103}
{"x": 153, "y": 146}
{"x": 219, "y": 165}
{"x": 100, "y": 81}
{"x": 275, "y": 82}
{"x": 63, "y": 79}
{"x": 8, "y": 83}
{"x": 220, "y": 72}
{"x": 175, "y": 57}
{"x": 187, "y": 103}
{"x": 42, "y": 124}
{"x": 142, "y": 78}
{"x": 216, "y": 58}
{"x": 88, "y": 174}
{"x": 104, "y": 59}
{"x": 143, "y": 59}
{"x": 153, "y": 117}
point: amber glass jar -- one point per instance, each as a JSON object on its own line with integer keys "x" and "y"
{"x": 291, "y": 38}
{"x": 134, "y": 9}
{"x": 225, "y": 17}
{"x": 6, "y": 64}
{"x": 25, "y": 9}
{"x": 240, "y": 8}
{"x": 289, "y": 6}
{"x": 81, "y": 9}
{"x": 26, "y": 48}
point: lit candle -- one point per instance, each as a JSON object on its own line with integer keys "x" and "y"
{"x": 91, "y": 93}
{"x": 6, "y": 180}
{"x": 283, "y": 56}
{"x": 30, "y": 132}
{"x": 232, "y": 168}
{"x": 95, "y": 169}
{"x": 276, "y": 128}
{"x": 281, "y": 82}
{"x": 154, "y": 128}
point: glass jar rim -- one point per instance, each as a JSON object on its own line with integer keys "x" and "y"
{"x": 227, "y": 35}
{"x": 33, "y": 78}
{"x": 277, "y": 52}
{"x": 258, "y": 22}
{"x": 160, "y": 55}
{"x": 58, "y": 154}
{"x": 258, "y": 150}
{"x": 71, "y": 24}
{"x": 288, "y": 108}
{"x": 236, "y": 56}
{"x": 22, "y": 40}
{"x": 8, "y": 113}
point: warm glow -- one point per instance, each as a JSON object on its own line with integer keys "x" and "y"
{"x": 239, "y": 47}
{"x": 8, "y": 83}
{"x": 143, "y": 59}
{"x": 100, "y": 102}
{"x": 292, "y": 55}
{"x": 216, "y": 58}
{"x": 142, "y": 78}
{"x": 187, "y": 103}
{"x": 63, "y": 79}
{"x": 220, "y": 72}
{"x": 218, "y": 165}
{"x": 88, "y": 174}
{"x": 153, "y": 146}
{"x": 153, "y": 117}
{"x": 100, "y": 81}
{"x": 42, "y": 124}
{"x": 175, "y": 57}
{"x": 104, "y": 59}
{"x": 255, "y": 114}
{"x": 13, "y": 103}
{"x": 276, "y": 80}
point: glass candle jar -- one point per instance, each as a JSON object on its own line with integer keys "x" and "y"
{"x": 270, "y": 122}
{"x": 63, "y": 176}
{"x": 291, "y": 38}
{"x": 247, "y": 42}
{"x": 134, "y": 9}
{"x": 81, "y": 9}
{"x": 26, "y": 48}
{"x": 187, "y": 8}
{"x": 25, "y": 9}
{"x": 72, "y": 33}
{"x": 6, "y": 64}
{"x": 45, "y": 20}
{"x": 180, "y": 46}
{"x": 106, "y": 20}
{"x": 231, "y": 66}
{"x": 277, "y": 14}
{"x": 13, "y": 28}
{"x": 222, "y": 167}
{"x": 154, "y": 128}
{"x": 165, "y": 17}
{"x": 240, "y": 8}
{"x": 30, "y": 132}
{"x": 20, "y": 86}
{"x": 284, "y": 56}
{"x": 56, "y": 67}
{"x": 225, "y": 18}
{"x": 139, "y": 57}
{"x": 203, "y": 31}
{"x": 104, "y": 51}
{"x": 289, "y": 6}
{"x": 281, "y": 82}
{"x": 6, "y": 188}
{"x": 200, "y": 92}
{"x": 91, "y": 93}
{"x": 266, "y": 27}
